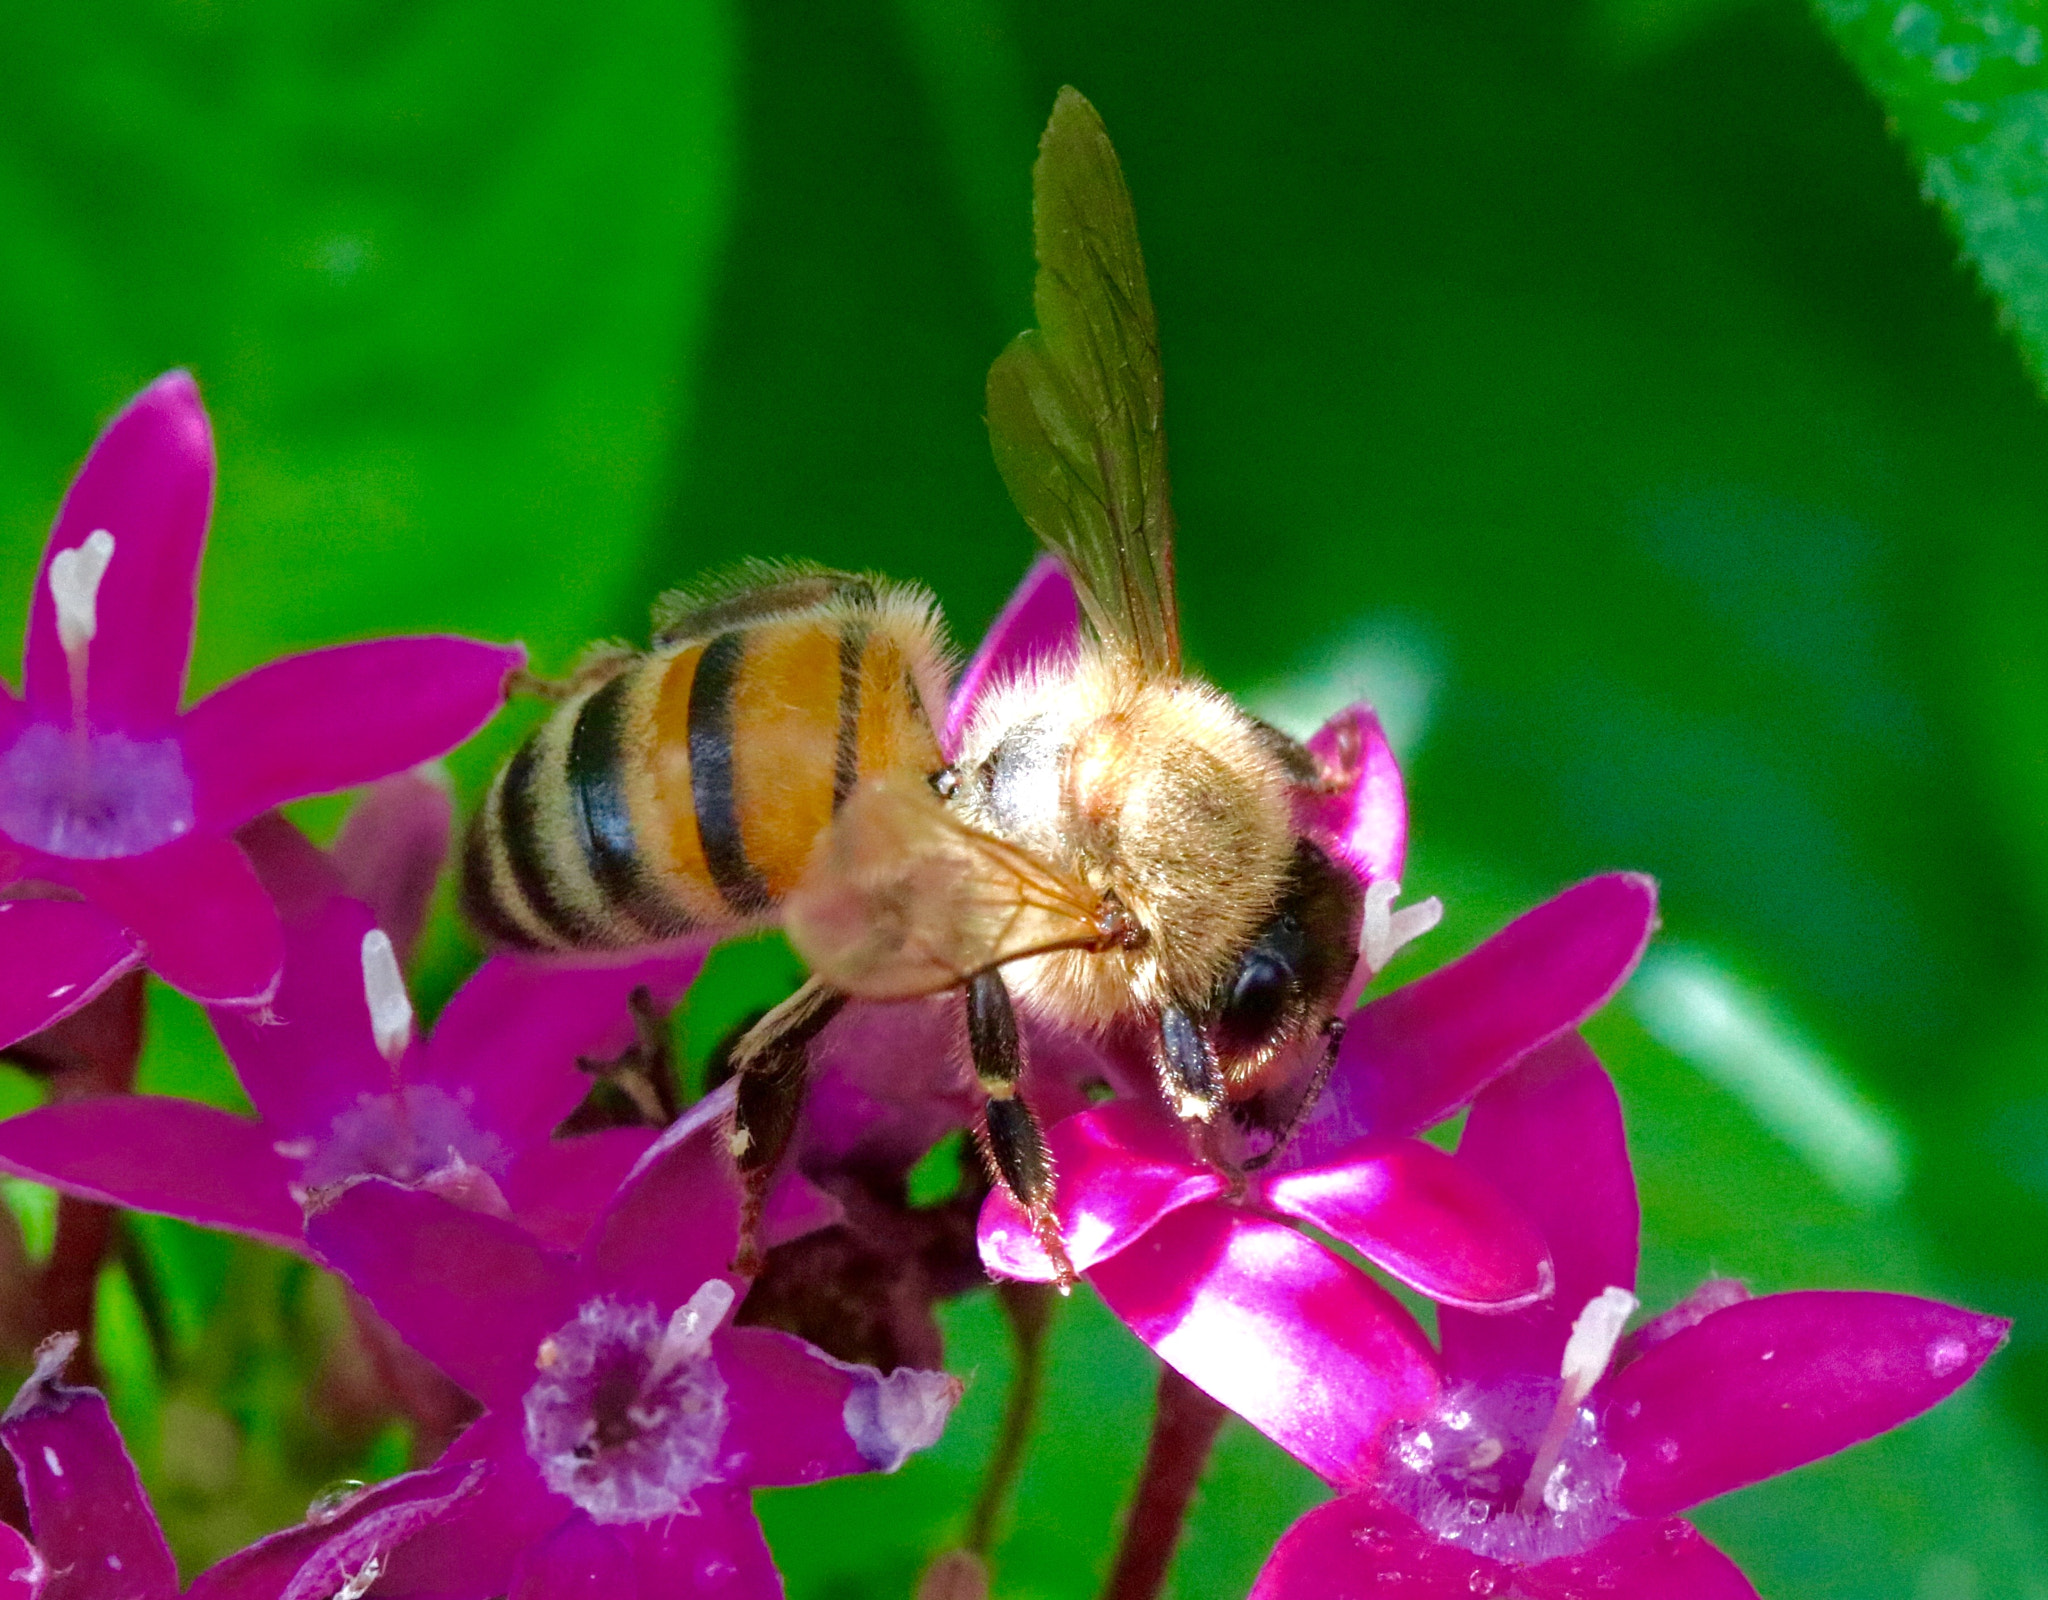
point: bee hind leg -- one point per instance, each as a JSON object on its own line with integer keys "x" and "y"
{"x": 1012, "y": 1140}
{"x": 773, "y": 1063}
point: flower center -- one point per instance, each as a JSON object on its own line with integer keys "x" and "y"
{"x": 628, "y": 1414}
{"x": 407, "y": 1135}
{"x": 1519, "y": 1470}
{"x": 91, "y": 796}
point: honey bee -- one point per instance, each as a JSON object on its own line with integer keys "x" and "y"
{"x": 1114, "y": 846}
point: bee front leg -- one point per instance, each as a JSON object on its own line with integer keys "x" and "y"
{"x": 1187, "y": 1067}
{"x": 1193, "y": 1084}
{"x": 773, "y": 1063}
{"x": 1014, "y": 1142}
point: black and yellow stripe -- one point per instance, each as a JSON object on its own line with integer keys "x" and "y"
{"x": 685, "y": 794}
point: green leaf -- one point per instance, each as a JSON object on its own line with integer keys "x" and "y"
{"x": 1966, "y": 86}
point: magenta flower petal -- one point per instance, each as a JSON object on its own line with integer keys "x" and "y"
{"x": 1767, "y": 1385}
{"x": 60, "y": 954}
{"x": 149, "y": 482}
{"x": 1303, "y": 1346}
{"x": 1411, "y": 1058}
{"x": 799, "y": 1416}
{"x": 638, "y": 1250}
{"x": 1549, "y": 1135}
{"x": 1667, "y": 1560}
{"x": 558, "y": 1187}
{"x": 313, "y": 1055}
{"x": 470, "y": 1552}
{"x": 1436, "y": 1225}
{"x": 719, "y": 1554}
{"x": 578, "y": 1561}
{"x": 331, "y": 719}
{"x": 316, "y": 1560}
{"x": 1364, "y": 825}
{"x": 473, "y": 1294}
{"x": 1121, "y": 1168}
{"x": 1357, "y": 1548}
{"x": 22, "y": 1571}
{"x": 199, "y": 912}
{"x": 390, "y": 850}
{"x": 1041, "y": 619}
{"x": 152, "y": 1153}
{"x": 508, "y": 1041}
{"x": 90, "y": 1514}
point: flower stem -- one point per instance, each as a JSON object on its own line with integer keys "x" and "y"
{"x": 1029, "y": 1306}
{"x": 93, "y": 1051}
{"x": 1185, "y": 1423}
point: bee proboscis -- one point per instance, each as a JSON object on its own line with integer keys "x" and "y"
{"x": 1113, "y": 846}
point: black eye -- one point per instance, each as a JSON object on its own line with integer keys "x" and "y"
{"x": 1254, "y": 1004}
{"x": 944, "y": 782}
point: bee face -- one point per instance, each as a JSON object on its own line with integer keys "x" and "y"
{"x": 1291, "y": 978}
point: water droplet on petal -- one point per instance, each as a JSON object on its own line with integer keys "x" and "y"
{"x": 1945, "y": 1356}
{"x": 1667, "y": 1451}
{"x": 1481, "y": 1581}
{"x": 332, "y": 1500}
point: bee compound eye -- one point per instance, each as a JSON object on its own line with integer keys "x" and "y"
{"x": 1256, "y": 1002}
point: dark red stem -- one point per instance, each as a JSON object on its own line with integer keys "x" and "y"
{"x": 1185, "y": 1422}
{"x": 93, "y": 1051}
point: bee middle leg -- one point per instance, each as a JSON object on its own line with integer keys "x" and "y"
{"x": 773, "y": 1064}
{"x": 1014, "y": 1142}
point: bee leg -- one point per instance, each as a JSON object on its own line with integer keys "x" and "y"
{"x": 1333, "y": 1036}
{"x": 1187, "y": 1067}
{"x": 772, "y": 1062}
{"x": 1014, "y": 1142}
{"x": 597, "y": 664}
{"x": 1193, "y": 1084}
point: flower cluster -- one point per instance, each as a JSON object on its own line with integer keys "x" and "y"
{"x": 538, "y": 1240}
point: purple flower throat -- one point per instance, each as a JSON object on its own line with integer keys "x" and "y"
{"x": 80, "y": 792}
{"x": 628, "y": 1414}
{"x": 1519, "y": 1469}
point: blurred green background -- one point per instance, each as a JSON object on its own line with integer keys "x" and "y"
{"x": 1589, "y": 383}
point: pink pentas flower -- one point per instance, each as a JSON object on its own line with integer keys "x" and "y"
{"x": 626, "y": 1419}
{"x": 110, "y": 792}
{"x": 344, "y": 1084}
{"x": 1541, "y": 1453}
{"x": 96, "y": 1537}
{"x": 1131, "y": 1178}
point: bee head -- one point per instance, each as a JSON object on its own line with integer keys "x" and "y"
{"x": 1288, "y": 982}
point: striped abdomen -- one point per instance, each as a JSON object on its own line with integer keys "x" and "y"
{"x": 685, "y": 794}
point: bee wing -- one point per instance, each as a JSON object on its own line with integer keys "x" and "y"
{"x": 904, "y": 899}
{"x": 1074, "y": 404}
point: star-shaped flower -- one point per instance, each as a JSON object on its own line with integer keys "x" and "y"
{"x": 626, "y": 1419}
{"x": 342, "y": 1087}
{"x": 110, "y": 793}
{"x": 96, "y": 1537}
{"x": 1167, "y": 1239}
{"x": 1540, "y": 1454}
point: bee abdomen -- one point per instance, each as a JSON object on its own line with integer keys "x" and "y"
{"x": 685, "y": 794}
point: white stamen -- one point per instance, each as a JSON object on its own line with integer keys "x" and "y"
{"x": 1586, "y": 1354}
{"x": 361, "y": 1583}
{"x": 1387, "y": 930}
{"x": 1594, "y": 1336}
{"x": 689, "y": 1330}
{"x": 75, "y": 586}
{"x": 384, "y": 988}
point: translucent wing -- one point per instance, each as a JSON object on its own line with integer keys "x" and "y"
{"x": 1074, "y": 404}
{"x": 904, "y": 899}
